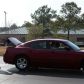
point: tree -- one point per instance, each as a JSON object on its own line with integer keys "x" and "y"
{"x": 59, "y": 23}
{"x": 13, "y": 26}
{"x": 27, "y": 24}
{"x": 35, "y": 32}
{"x": 43, "y": 15}
{"x": 81, "y": 21}
{"x": 70, "y": 13}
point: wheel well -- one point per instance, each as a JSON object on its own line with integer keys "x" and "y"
{"x": 22, "y": 55}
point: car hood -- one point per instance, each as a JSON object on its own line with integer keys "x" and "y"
{"x": 15, "y": 41}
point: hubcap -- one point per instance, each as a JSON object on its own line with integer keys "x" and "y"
{"x": 22, "y": 63}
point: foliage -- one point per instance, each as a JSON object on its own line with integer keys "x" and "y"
{"x": 81, "y": 21}
{"x": 35, "y": 32}
{"x": 43, "y": 15}
{"x": 27, "y": 24}
{"x": 44, "y": 25}
{"x": 70, "y": 9}
{"x": 70, "y": 13}
{"x": 13, "y": 26}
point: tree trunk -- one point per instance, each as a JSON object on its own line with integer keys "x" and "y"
{"x": 68, "y": 34}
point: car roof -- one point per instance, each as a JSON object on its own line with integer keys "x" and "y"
{"x": 48, "y": 39}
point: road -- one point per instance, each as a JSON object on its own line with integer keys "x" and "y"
{"x": 10, "y": 75}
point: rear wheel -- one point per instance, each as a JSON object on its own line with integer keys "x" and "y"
{"x": 22, "y": 63}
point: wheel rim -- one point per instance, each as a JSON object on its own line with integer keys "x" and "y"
{"x": 21, "y": 63}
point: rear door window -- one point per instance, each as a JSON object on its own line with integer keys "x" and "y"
{"x": 39, "y": 45}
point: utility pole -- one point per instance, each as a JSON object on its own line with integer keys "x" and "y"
{"x": 5, "y": 19}
{"x": 6, "y": 22}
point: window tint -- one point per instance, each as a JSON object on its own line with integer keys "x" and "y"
{"x": 57, "y": 45}
{"x": 53, "y": 44}
{"x": 39, "y": 45}
{"x": 64, "y": 47}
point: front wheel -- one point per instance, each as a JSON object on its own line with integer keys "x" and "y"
{"x": 21, "y": 63}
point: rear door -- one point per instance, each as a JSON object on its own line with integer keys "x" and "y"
{"x": 39, "y": 53}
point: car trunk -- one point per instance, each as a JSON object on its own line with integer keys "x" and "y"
{"x": 12, "y": 41}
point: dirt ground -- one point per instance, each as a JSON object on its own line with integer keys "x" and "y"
{"x": 2, "y": 50}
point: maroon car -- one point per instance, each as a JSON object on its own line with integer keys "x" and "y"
{"x": 45, "y": 53}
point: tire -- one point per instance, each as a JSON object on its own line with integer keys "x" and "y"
{"x": 22, "y": 63}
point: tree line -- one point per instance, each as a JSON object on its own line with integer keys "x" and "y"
{"x": 46, "y": 21}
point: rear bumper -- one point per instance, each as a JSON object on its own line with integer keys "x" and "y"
{"x": 8, "y": 60}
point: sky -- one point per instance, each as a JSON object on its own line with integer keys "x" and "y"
{"x": 19, "y": 11}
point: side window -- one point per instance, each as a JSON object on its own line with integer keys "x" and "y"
{"x": 57, "y": 45}
{"x": 53, "y": 45}
{"x": 64, "y": 47}
{"x": 39, "y": 45}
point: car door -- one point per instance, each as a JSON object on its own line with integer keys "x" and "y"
{"x": 61, "y": 55}
{"x": 39, "y": 54}
{"x": 57, "y": 54}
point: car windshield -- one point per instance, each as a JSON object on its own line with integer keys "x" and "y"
{"x": 73, "y": 46}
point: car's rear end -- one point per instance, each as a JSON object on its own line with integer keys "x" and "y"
{"x": 11, "y": 50}
{"x": 12, "y": 41}
{"x": 9, "y": 55}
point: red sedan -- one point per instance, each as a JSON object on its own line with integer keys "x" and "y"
{"x": 45, "y": 53}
